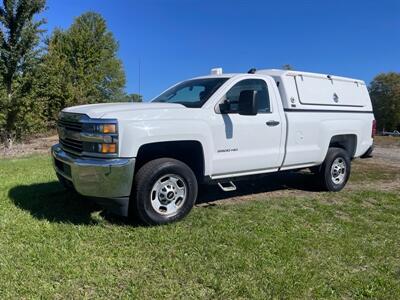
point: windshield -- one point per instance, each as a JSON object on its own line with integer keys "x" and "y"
{"x": 192, "y": 93}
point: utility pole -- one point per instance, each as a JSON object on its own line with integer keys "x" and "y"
{"x": 139, "y": 76}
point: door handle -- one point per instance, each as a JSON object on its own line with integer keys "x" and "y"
{"x": 272, "y": 123}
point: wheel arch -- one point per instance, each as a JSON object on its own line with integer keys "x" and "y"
{"x": 348, "y": 142}
{"x": 190, "y": 152}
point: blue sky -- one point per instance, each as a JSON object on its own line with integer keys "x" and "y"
{"x": 177, "y": 39}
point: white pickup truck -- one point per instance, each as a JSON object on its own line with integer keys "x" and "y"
{"x": 148, "y": 159}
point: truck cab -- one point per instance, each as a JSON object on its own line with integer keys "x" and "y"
{"x": 147, "y": 159}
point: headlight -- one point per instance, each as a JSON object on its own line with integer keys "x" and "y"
{"x": 102, "y": 128}
{"x": 101, "y": 138}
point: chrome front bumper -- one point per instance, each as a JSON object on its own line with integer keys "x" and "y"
{"x": 95, "y": 177}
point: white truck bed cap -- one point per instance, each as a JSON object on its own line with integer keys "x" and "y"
{"x": 278, "y": 72}
{"x": 305, "y": 90}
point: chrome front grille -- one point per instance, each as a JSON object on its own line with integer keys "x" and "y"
{"x": 74, "y": 126}
{"x": 69, "y": 129}
{"x": 72, "y": 145}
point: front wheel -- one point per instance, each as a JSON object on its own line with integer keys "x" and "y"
{"x": 164, "y": 191}
{"x": 335, "y": 170}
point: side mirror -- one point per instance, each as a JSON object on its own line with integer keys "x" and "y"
{"x": 224, "y": 107}
{"x": 248, "y": 103}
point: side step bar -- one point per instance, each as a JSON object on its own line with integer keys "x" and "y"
{"x": 227, "y": 186}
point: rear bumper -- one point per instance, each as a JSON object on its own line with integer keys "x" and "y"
{"x": 95, "y": 177}
{"x": 368, "y": 153}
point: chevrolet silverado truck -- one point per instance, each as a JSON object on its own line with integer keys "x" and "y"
{"x": 148, "y": 159}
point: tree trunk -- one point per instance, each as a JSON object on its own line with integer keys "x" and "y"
{"x": 10, "y": 118}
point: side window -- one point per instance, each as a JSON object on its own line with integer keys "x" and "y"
{"x": 258, "y": 85}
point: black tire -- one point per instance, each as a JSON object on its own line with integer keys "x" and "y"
{"x": 141, "y": 204}
{"x": 330, "y": 182}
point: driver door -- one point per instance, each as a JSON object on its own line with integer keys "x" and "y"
{"x": 247, "y": 144}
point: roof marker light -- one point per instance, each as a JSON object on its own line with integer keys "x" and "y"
{"x": 216, "y": 71}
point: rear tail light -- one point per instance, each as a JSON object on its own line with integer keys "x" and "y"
{"x": 373, "y": 133}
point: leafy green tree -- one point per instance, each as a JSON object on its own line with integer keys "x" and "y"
{"x": 81, "y": 66}
{"x": 385, "y": 95}
{"x": 19, "y": 54}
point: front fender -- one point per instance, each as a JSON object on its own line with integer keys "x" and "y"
{"x": 134, "y": 134}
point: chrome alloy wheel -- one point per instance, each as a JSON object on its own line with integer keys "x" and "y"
{"x": 338, "y": 170}
{"x": 168, "y": 194}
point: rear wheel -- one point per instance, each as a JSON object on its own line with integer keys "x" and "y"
{"x": 335, "y": 170}
{"x": 164, "y": 191}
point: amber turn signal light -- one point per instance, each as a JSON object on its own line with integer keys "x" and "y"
{"x": 108, "y": 148}
{"x": 109, "y": 128}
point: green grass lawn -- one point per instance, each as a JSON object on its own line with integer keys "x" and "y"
{"x": 55, "y": 244}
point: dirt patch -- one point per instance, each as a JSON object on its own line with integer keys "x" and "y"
{"x": 221, "y": 198}
{"x": 378, "y": 185}
{"x": 379, "y": 173}
{"x": 387, "y": 141}
{"x": 387, "y": 155}
{"x": 39, "y": 145}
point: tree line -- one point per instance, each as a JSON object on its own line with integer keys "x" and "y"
{"x": 40, "y": 75}
{"x": 385, "y": 95}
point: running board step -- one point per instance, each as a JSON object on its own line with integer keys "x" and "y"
{"x": 227, "y": 186}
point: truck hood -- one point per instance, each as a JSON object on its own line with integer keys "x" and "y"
{"x": 102, "y": 109}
